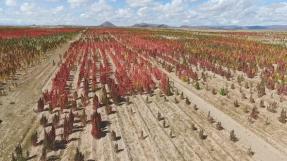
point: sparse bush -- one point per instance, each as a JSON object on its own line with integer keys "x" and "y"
{"x": 43, "y": 120}
{"x": 261, "y": 89}
{"x": 196, "y": 85}
{"x": 201, "y": 134}
{"x": 187, "y": 102}
{"x": 223, "y": 92}
{"x": 79, "y": 156}
{"x": 283, "y": 116}
{"x": 219, "y": 126}
{"x": 233, "y": 136}
{"x": 251, "y": 99}
{"x": 262, "y": 104}
{"x": 232, "y": 86}
{"x": 34, "y": 138}
{"x": 236, "y": 104}
{"x": 213, "y": 91}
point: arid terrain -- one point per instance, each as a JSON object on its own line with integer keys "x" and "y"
{"x": 132, "y": 94}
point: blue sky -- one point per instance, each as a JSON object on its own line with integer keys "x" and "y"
{"x": 128, "y": 12}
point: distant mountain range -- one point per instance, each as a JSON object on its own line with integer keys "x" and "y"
{"x": 149, "y": 25}
{"x": 143, "y": 25}
{"x": 107, "y": 24}
{"x": 232, "y": 27}
{"x": 270, "y": 27}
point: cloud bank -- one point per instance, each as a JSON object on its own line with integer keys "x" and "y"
{"x": 128, "y": 12}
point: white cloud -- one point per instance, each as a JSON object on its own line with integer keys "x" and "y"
{"x": 174, "y": 7}
{"x": 142, "y": 11}
{"x": 84, "y": 15}
{"x": 139, "y": 3}
{"x": 101, "y": 6}
{"x": 10, "y": 2}
{"x": 58, "y": 9}
{"x": 99, "y": 9}
{"x": 171, "y": 12}
{"x": 224, "y": 12}
{"x": 274, "y": 14}
{"x": 27, "y": 8}
{"x": 124, "y": 13}
{"x": 77, "y": 3}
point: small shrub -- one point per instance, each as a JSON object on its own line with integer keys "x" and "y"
{"x": 223, "y": 92}
{"x": 196, "y": 85}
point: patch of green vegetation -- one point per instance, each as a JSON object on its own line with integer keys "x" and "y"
{"x": 223, "y": 91}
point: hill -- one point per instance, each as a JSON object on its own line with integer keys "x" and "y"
{"x": 107, "y": 24}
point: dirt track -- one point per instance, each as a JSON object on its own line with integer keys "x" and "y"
{"x": 264, "y": 151}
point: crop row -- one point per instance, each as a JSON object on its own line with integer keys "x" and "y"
{"x": 18, "y": 52}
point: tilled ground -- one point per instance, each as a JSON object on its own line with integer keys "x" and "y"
{"x": 141, "y": 135}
